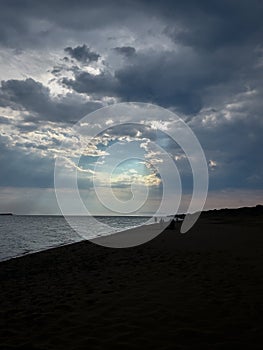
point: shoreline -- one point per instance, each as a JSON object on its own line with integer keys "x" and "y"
{"x": 99, "y": 238}
{"x": 39, "y": 251}
{"x": 105, "y": 240}
{"x": 202, "y": 289}
{"x": 251, "y": 213}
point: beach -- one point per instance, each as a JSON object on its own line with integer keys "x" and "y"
{"x": 199, "y": 290}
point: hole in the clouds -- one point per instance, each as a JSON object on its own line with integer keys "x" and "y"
{"x": 125, "y": 163}
{"x": 130, "y": 169}
{"x": 129, "y": 173}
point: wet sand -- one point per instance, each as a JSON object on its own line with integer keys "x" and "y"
{"x": 200, "y": 290}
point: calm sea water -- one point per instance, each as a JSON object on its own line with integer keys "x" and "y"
{"x": 21, "y": 235}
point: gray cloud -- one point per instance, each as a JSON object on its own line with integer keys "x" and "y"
{"x": 204, "y": 24}
{"x": 32, "y": 96}
{"x": 82, "y": 54}
{"x": 171, "y": 79}
{"x": 38, "y": 23}
{"x": 103, "y": 84}
{"x": 211, "y": 26}
{"x": 127, "y": 51}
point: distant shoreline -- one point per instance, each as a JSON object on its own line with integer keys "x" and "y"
{"x": 218, "y": 211}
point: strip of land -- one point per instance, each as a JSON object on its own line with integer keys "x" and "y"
{"x": 202, "y": 289}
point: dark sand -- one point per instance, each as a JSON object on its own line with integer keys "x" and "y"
{"x": 201, "y": 290}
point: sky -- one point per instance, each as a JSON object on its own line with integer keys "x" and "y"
{"x": 61, "y": 60}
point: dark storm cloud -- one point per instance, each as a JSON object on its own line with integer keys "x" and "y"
{"x": 222, "y": 36}
{"x": 168, "y": 78}
{"x": 215, "y": 56}
{"x": 82, "y": 54}
{"x": 103, "y": 84}
{"x": 25, "y": 93}
{"x": 32, "y": 96}
{"x": 213, "y": 25}
{"x": 203, "y": 24}
{"x": 232, "y": 139}
{"x": 157, "y": 78}
{"x": 37, "y": 21}
{"x": 127, "y": 51}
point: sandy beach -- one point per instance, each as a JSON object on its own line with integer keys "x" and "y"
{"x": 200, "y": 290}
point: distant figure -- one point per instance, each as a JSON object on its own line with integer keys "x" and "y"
{"x": 155, "y": 219}
{"x": 161, "y": 222}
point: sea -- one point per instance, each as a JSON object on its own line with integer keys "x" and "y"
{"x": 21, "y": 235}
